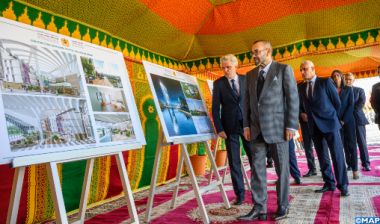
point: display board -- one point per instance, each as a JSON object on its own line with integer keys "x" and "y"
{"x": 61, "y": 94}
{"x": 180, "y": 106}
{"x": 210, "y": 85}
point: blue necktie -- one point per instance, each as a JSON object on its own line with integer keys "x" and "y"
{"x": 234, "y": 89}
{"x": 310, "y": 90}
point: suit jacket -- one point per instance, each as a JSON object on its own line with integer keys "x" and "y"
{"x": 347, "y": 104}
{"x": 278, "y": 105}
{"x": 323, "y": 107}
{"x": 375, "y": 101}
{"x": 359, "y": 99}
{"x": 226, "y": 106}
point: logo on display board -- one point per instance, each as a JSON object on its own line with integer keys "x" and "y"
{"x": 65, "y": 42}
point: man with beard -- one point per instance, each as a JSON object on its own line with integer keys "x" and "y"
{"x": 270, "y": 121}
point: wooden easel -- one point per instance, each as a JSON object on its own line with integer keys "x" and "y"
{"x": 184, "y": 157}
{"x": 20, "y": 163}
{"x": 224, "y": 168}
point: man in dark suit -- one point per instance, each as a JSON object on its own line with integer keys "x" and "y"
{"x": 307, "y": 142}
{"x": 227, "y": 113}
{"x": 322, "y": 105}
{"x": 270, "y": 120}
{"x": 360, "y": 121}
{"x": 375, "y": 99}
{"x": 293, "y": 166}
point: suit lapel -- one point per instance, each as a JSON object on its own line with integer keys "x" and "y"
{"x": 228, "y": 86}
{"x": 315, "y": 88}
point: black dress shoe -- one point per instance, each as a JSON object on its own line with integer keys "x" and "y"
{"x": 253, "y": 215}
{"x": 310, "y": 173}
{"x": 297, "y": 181}
{"x": 344, "y": 193}
{"x": 366, "y": 168}
{"x": 238, "y": 202}
{"x": 270, "y": 165}
{"x": 324, "y": 189}
{"x": 281, "y": 214}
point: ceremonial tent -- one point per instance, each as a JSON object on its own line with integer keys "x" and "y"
{"x": 189, "y": 36}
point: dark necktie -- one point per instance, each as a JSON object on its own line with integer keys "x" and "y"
{"x": 260, "y": 83}
{"x": 310, "y": 90}
{"x": 234, "y": 89}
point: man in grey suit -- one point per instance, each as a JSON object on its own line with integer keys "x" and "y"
{"x": 270, "y": 120}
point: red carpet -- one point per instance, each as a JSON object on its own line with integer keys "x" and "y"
{"x": 305, "y": 205}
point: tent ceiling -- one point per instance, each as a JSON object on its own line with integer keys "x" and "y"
{"x": 188, "y": 30}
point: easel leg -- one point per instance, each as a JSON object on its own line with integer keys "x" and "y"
{"x": 247, "y": 180}
{"x": 127, "y": 187}
{"x": 85, "y": 189}
{"x": 153, "y": 181}
{"x": 56, "y": 190}
{"x": 18, "y": 179}
{"x": 194, "y": 182}
{"x": 178, "y": 181}
{"x": 215, "y": 149}
{"x": 213, "y": 166}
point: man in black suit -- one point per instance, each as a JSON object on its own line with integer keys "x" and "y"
{"x": 322, "y": 104}
{"x": 360, "y": 120}
{"x": 307, "y": 142}
{"x": 227, "y": 112}
{"x": 375, "y": 99}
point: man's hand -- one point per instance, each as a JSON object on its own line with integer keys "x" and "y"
{"x": 342, "y": 123}
{"x": 222, "y": 134}
{"x": 289, "y": 134}
{"x": 304, "y": 117}
{"x": 247, "y": 134}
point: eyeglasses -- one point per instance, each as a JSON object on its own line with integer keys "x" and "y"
{"x": 257, "y": 51}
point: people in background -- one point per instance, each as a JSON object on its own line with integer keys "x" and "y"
{"x": 375, "y": 99}
{"x": 293, "y": 166}
{"x": 322, "y": 105}
{"x": 360, "y": 120}
{"x": 270, "y": 121}
{"x": 347, "y": 120}
{"x": 307, "y": 142}
{"x": 227, "y": 112}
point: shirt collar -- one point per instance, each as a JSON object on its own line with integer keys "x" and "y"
{"x": 236, "y": 78}
{"x": 266, "y": 68}
{"x": 313, "y": 79}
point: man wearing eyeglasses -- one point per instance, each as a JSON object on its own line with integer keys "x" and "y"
{"x": 270, "y": 121}
{"x": 227, "y": 113}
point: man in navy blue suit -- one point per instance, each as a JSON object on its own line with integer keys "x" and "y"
{"x": 293, "y": 166}
{"x": 360, "y": 120}
{"x": 227, "y": 112}
{"x": 322, "y": 104}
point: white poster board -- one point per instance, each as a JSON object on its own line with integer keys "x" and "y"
{"x": 210, "y": 85}
{"x": 180, "y": 106}
{"x": 60, "y": 94}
